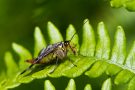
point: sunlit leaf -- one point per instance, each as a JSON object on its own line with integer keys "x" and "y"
{"x": 71, "y": 34}
{"x": 119, "y": 47}
{"x": 97, "y": 69}
{"x": 123, "y": 77}
{"x": 12, "y": 67}
{"x": 130, "y": 61}
{"x": 94, "y": 60}
{"x": 23, "y": 53}
{"x": 54, "y": 33}
{"x": 131, "y": 85}
{"x": 107, "y": 85}
{"x": 48, "y": 85}
{"x": 103, "y": 44}
{"x": 83, "y": 63}
{"x": 118, "y": 51}
{"x": 43, "y": 73}
{"x": 39, "y": 41}
{"x": 128, "y": 4}
{"x": 71, "y": 85}
{"x": 88, "y": 87}
{"x": 88, "y": 41}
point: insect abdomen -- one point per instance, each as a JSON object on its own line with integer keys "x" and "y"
{"x": 49, "y": 58}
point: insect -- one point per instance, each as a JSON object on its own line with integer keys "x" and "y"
{"x": 53, "y": 52}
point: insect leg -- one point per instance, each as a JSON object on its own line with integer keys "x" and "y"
{"x": 27, "y": 68}
{"x": 73, "y": 50}
{"x": 55, "y": 65}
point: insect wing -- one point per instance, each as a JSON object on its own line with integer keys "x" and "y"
{"x": 46, "y": 51}
{"x": 49, "y": 49}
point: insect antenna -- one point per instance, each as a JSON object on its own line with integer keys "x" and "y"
{"x": 72, "y": 37}
{"x": 76, "y": 32}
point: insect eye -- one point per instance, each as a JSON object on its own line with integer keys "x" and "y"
{"x": 66, "y": 43}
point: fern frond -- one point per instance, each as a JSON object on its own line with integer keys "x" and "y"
{"x": 88, "y": 87}
{"x": 93, "y": 60}
{"x": 107, "y": 85}
{"x": 128, "y": 4}
{"x": 40, "y": 43}
{"x": 48, "y": 85}
{"x": 72, "y": 86}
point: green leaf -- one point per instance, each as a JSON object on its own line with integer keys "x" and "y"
{"x": 131, "y": 85}
{"x": 123, "y": 77}
{"x": 23, "y": 53}
{"x": 11, "y": 83}
{"x": 2, "y": 80}
{"x": 12, "y": 67}
{"x": 69, "y": 70}
{"x": 103, "y": 44}
{"x": 69, "y": 34}
{"x": 2, "y": 76}
{"x": 130, "y": 61}
{"x": 94, "y": 60}
{"x": 71, "y": 85}
{"x": 39, "y": 41}
{"x": 1, "y": 88}
{"x": 88, "y": 41}
{"x": 102, "y": 51}
{"x": 83, "y": 63}
{"x": 119, "y": 48}
{"x": 26, "y": 79}
{"x": 118, "y": 52}
{"x": 9, "y": 79}
{"x": 54, "y": 33}
{"x": 128, "y": 4}
{"x": 43, "y": 73}
{"x": 97, "y": 69}
{"x": 113, "y": 69}
{"x": 88, "y": 87}
{"x": 66, "y": 65}
{"x": 117, "y": 3}
{"x": 107, "y": 84}
{"x": 48, "y": 85}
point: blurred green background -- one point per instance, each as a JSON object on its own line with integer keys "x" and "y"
{"x": 18, "y": 19}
